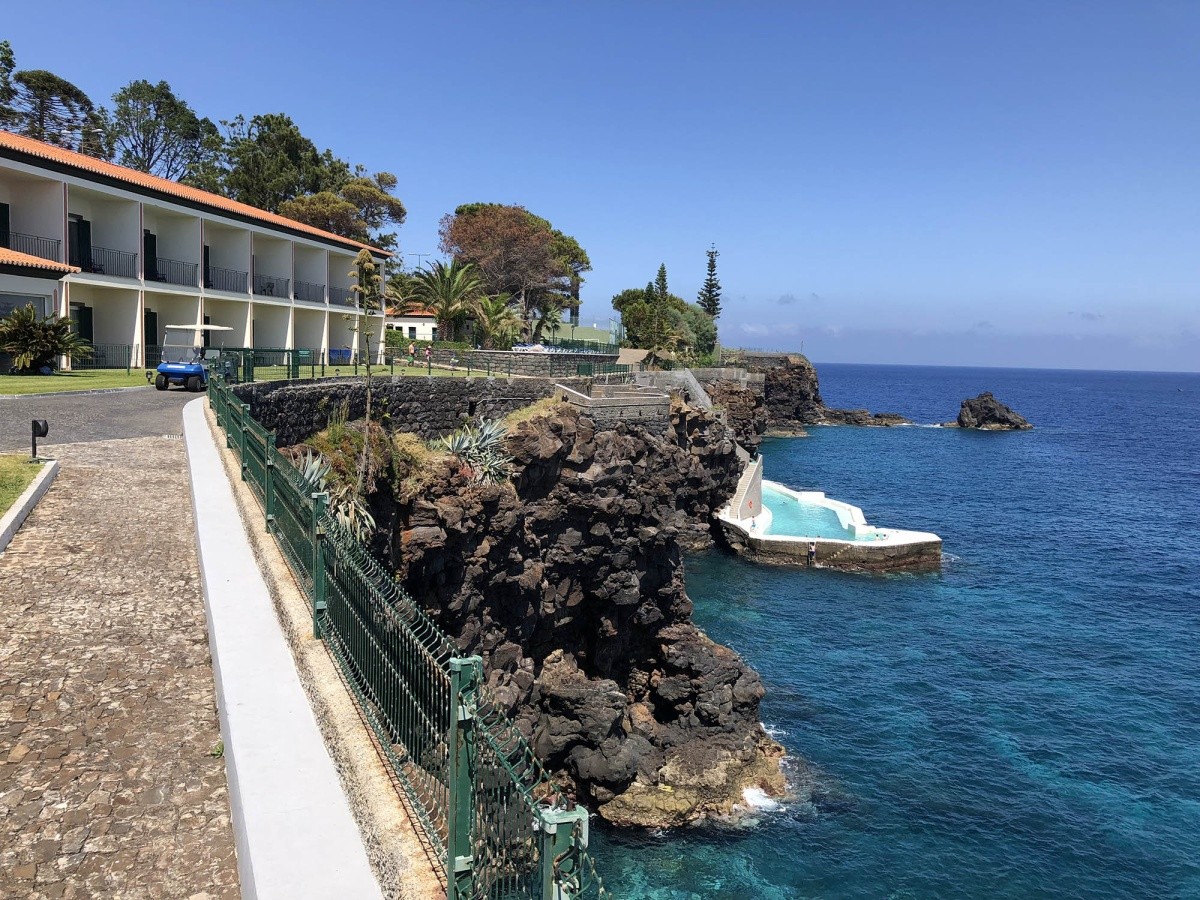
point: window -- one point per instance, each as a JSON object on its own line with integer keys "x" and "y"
{"x": 434, "y": 338}
{"x": 412, "y": 331}
{"x": 10, "y": 302}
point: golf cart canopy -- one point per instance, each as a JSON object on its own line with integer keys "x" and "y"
{"x": 184, "y": 344}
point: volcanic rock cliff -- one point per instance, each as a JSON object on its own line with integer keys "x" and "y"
{"x": 568, "y": 581}
{"x": 792, "y": 398}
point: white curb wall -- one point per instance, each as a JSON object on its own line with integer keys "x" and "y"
{"x": 295, "y": 835}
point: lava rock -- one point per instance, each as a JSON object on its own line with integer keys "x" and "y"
{"x": 987, "y": 413}
{"x": 568, "y": 582}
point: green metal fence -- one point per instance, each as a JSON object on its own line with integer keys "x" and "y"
{"x": 500, "y": 826}
{"x": 105, "y": 356}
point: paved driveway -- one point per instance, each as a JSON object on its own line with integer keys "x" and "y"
{"x": 78, "y": 418}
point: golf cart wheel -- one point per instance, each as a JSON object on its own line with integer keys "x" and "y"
{"x": 161, "y": 383}
{"x": 193, "y": 384}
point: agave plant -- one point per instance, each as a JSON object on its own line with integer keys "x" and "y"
{"x": 481, "y": 450}
{"x": 347, "y": 506}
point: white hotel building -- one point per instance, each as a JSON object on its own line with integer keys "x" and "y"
{"x": 124, "y": 254}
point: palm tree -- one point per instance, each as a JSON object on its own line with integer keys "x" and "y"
{"x": 35, "y": 343}
{"x": 496, "y": 320}
{"x": 449, "y": 291}
{"x": 550, "y": 319}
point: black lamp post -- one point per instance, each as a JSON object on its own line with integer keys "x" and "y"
{"x": 40, "y": 429}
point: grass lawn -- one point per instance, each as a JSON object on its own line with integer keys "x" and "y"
{"x": 71, "y": 381}
{"x": 15, "y": 474}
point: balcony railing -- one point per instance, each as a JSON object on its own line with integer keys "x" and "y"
{"x": 311, "y": 293}
{"x": 103, "y": 261}
{"x": 270, "y": 285}
{"x": 226, "y": 279}
{"x": 342, "y": 296}
{"x": 173, "y": 271}
{"x": 46, "y": 248}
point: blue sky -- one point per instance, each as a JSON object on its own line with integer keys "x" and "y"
{"x": 947, "y": 183}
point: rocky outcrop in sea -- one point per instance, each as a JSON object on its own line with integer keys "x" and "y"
{"x": 568, "y": 581}
{"x": 987, "y": 413}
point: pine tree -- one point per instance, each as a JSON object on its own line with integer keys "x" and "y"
{"x": 709, "y": 297}
{"x": 660, "y": 283}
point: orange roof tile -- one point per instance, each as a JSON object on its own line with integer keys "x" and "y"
{"x": 412, "y": 314}
{"x": 86, "y": 164}
{"x": 26, "y": 260}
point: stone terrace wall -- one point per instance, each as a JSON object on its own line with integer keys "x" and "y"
{"x": 609, "y": 405}
{"x": 751, "y": 381}
{"x": 429, "y": 407}
{"x": 758, "y": 359}
{"x": 506, "y": 362}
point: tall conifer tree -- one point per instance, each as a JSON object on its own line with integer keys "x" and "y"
{"x": 709, "y": 297}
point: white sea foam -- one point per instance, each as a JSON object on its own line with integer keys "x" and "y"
{"x": 757, "y": 798}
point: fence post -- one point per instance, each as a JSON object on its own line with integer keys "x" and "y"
{"x": 559, "y": 851}
{"x": 245, "y": 414}
{"x": 269, "y": 482}
{"x": 293, "y": 365}
{"x": 320, "y": 503}
{"x": 229, "y": 422}
{"x": 460, "y": 864}
{"x": 247, "y": 365}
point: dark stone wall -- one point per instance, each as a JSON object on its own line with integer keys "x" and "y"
{"x": 428, "y": 407}
{"x": 511, "y": 362}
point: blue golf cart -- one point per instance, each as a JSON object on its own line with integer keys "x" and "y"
{"x": 185, "y": 359}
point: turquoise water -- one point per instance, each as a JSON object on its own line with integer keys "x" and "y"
{"x": 791, "y": 517}
{"x": 1024, "y": 724}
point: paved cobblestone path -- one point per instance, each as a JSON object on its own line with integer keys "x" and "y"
{"x": 109, "y": 783}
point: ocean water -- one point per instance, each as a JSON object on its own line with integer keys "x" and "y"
{"x": 1025, "y": 723}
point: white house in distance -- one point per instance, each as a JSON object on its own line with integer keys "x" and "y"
{"x": 125, "y": 254}
{"x": 415, "y": 325}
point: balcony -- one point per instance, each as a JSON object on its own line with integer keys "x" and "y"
{"x": 309, "y": 292}
{"x": 270, "y": 285}
{"x": 342, "y": 297}
{"x": 231, "y": 280}
{"x": 103, "y": 261}
{"x": 46, "y": 248}
{"x": 173, "y": 271}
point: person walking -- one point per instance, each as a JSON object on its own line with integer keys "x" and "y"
{"x": 412, "y": 353}
{"x": 429, "y": 355}
{"x": 812, "y": 554}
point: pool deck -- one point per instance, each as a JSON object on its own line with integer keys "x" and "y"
{"x": 885, "y": 550}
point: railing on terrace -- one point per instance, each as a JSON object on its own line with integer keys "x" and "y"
{"x": 581, "y": 345}
{"x": 173, "y": 271}
{"x": 270, "y": 285}
{"x": 220, "y": 279}
{"x": 498, "y": 824}
{"x": 342, "y": 296}
{"x": 106, "y": 356}
{"x": 309, "y": 292}
{"x": 46, "y": 248}
{"x": 103, "y": 261}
